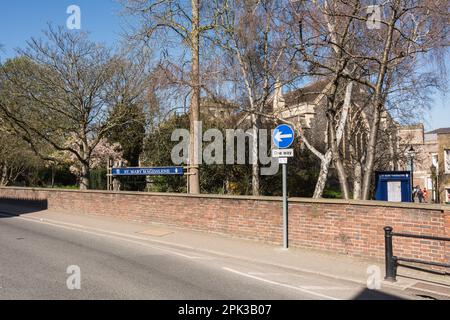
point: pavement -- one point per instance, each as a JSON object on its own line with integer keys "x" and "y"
{"x": 124, "y": 260}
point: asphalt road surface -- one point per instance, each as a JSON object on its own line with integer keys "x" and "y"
{"x": 35, "y": 257}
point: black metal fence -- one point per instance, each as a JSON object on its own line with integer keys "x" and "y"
{"x": 392, "y": 262}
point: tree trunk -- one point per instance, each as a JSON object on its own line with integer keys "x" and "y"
{"x": 335, "y": 139}
{"x": 378, "y": 104}
{"x": 4, "y": 177}
{"x": 326, "y": 160}
{"x": 357, "y": 181}
{"x": 84, "y": 179}
{"x": 255, "y": 159}
{"x": 194, "y": 171}
{"x": 323, "y": 176}
{"x": 337, "y": 160}
{"x": 53, "y": 176}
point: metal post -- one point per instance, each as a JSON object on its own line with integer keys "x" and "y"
{"x": 285, "y": 210}
{"x": 391, "y": 261}
{"x": 109, "y": 174}
{"x": 412, "y": 175}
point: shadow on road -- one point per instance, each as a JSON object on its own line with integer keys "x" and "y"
{"x": 13, "y": 207}
{"x": 367, "y": 294}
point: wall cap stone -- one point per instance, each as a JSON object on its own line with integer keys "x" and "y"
{"x": 148, "y": 194}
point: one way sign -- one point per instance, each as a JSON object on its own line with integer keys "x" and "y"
{"x": 283, "y": 136}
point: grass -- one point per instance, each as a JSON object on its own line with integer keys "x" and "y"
{"x": 58, "y": 186}
{"x": 332, "y": 194}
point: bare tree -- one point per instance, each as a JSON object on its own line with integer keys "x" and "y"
{"x": 176, "y": 19}
{"x": 252, "y": 45}
{"x": 59, "y": 93}
{"x": 374, "y": 58}
{"x": 410, "y": 30}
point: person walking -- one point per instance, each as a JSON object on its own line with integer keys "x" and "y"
{"x": 420, "y": 195}
{"x": 425, "y": 195}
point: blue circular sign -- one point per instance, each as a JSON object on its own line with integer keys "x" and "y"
{"x": 283, "y": 136}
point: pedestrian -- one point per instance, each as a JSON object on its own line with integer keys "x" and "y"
{"x": 420, "y": 195}
{"x": 425, "y": 195}
{"x": 414, "y": 195}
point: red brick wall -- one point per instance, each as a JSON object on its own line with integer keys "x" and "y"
{"x": 347, "y": 227}
{"x": 447, "y": 230}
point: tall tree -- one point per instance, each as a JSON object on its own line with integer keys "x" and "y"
{"x": 176, "y": 18}
{"x": 249, "y": 38}
{"x": 379, "y": 55}
{"x": 58, "y": 95}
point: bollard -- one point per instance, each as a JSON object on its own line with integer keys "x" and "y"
{"x": 391, "y": 261}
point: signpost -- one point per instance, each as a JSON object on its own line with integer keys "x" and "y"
{"x": 123, "y": 172}
{"x": 163, "y": 171}
{"x": 283, "y": 138}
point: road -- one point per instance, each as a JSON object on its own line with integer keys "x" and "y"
{"x": 35, "y": 256}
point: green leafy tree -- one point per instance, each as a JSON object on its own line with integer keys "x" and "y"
{"x": 130, "y": 135}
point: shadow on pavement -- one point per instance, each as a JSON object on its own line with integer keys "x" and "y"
{"x": 367, "y": 294}
{"x": 13, "y": 207}
{"x": 426, "y": 270}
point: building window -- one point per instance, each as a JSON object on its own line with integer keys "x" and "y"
{"x": 435, "y": 160}
{"x": 447, "y": 196}
{"x": 447, "y": 161}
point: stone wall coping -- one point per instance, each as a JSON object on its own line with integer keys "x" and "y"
{"x": 253, "y": 198}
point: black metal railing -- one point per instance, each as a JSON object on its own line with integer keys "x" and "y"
{"x": 392, "y": 262}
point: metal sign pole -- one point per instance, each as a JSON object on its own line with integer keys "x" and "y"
{"x": 283, "y": 138}
{"x": 285, "y": 209}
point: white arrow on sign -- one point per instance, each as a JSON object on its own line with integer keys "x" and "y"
{"x": 279, "y": 136}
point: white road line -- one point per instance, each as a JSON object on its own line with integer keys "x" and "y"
{"x": 280, "y": 284}
{"x": 106, "y": 234}
{"x": 276, "y": 274}
{"x": 325, "y": 288}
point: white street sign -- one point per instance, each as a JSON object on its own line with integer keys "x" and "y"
{"x": 283, "y": 153}
{"x": 283, "y": 160}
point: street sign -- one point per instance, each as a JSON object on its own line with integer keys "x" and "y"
{"x": 167, "y": 171}
{"x": 283, "y": 136}
{"x": 282, "y": 153}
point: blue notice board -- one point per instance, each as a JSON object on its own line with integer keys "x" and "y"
{"x": 168, "y": 171}
{"x": 393, "y": 186}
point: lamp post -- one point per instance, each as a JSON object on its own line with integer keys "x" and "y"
{"x": 411, "y": 155}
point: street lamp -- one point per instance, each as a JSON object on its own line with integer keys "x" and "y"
{"x": 411, "y": 155}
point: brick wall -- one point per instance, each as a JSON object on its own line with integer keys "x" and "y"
{"x": 447, "y": 229}
{"x": 444, "y": 177}
{"x": 354, "y": 228}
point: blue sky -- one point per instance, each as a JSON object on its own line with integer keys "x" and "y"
{"x": 22, "y": 19}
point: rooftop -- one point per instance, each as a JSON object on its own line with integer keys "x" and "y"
{"x": 440, "y": 131}
{"x": 306, "y": 94}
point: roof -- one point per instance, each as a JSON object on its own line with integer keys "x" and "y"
{"x": 418, "y": 126}
{"x": 306, "y": 94}
{"x": 440, "y": 131}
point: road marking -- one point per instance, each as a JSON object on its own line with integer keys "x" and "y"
{"x": 103, "y": 233}
{"x": 280, "y": 284}
{"x": 325, "y": 288}
{"x": 276, "y": 274}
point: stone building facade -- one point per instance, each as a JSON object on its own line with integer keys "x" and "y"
{"x": 307, "y": 106}
{"x": 431, "y": 162}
